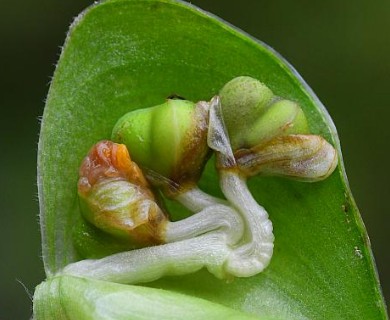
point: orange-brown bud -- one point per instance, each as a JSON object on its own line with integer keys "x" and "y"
{"x": 115, "y": 196}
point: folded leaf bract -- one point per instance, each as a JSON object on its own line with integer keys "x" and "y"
{"x": 122, "y": 55}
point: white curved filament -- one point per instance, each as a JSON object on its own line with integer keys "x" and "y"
{"x": 256, "y": 251}
{"x": 211, "y": 219}
{"x": 254, "y": 255}
{"x": 195, "y": 199}
{"x": 152, "y": 263}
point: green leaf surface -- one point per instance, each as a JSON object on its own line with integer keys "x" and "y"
{"x": 122, "y": 55}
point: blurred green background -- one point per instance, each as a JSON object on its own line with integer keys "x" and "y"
{"x": 341, "y": 48}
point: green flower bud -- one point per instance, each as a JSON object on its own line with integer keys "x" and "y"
{"x": 74, "y": 298}
{"x": 169, "y": 139}
{"x": 268, "y": 135}
{"x": 253, "y": 115}
{"x": 115, "y": 197}
{"x": 244, "y": 100}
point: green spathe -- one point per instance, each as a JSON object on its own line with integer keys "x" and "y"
{"x": 125, "y": 55}
{"x": 67, "y": 297}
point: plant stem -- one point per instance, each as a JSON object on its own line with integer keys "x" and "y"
{"x": 195, "y": 199}
{"x": 255, "y": 254}
{"x": 149, "y": 264}
{"x": 210, "y": 219}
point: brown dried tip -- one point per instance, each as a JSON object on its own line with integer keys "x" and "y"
{"x": 108, "y": 159}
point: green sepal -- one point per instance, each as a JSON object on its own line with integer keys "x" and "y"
{"x": 282, "y": 118}
{"x": 73, "y": 298}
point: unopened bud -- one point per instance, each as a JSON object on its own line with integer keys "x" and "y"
{"x": 253, "y": 115}
{"x": 169, "y": 139}
{"x": 115, "y": 197}
{"x": 301, "y": 157}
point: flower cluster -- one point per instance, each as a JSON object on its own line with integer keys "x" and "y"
{"x": 249, "y": 129}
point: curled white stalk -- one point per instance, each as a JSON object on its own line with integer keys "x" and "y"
{"x": 214, "y": 218}
{"x": 148, "y": 264}
{"x": 255, "y": 253}
{"x": 114, "y": 196}
{"x": 195, "y": 199}
{"x": 206, "y": 239}
{"x": 211, "y": 213}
